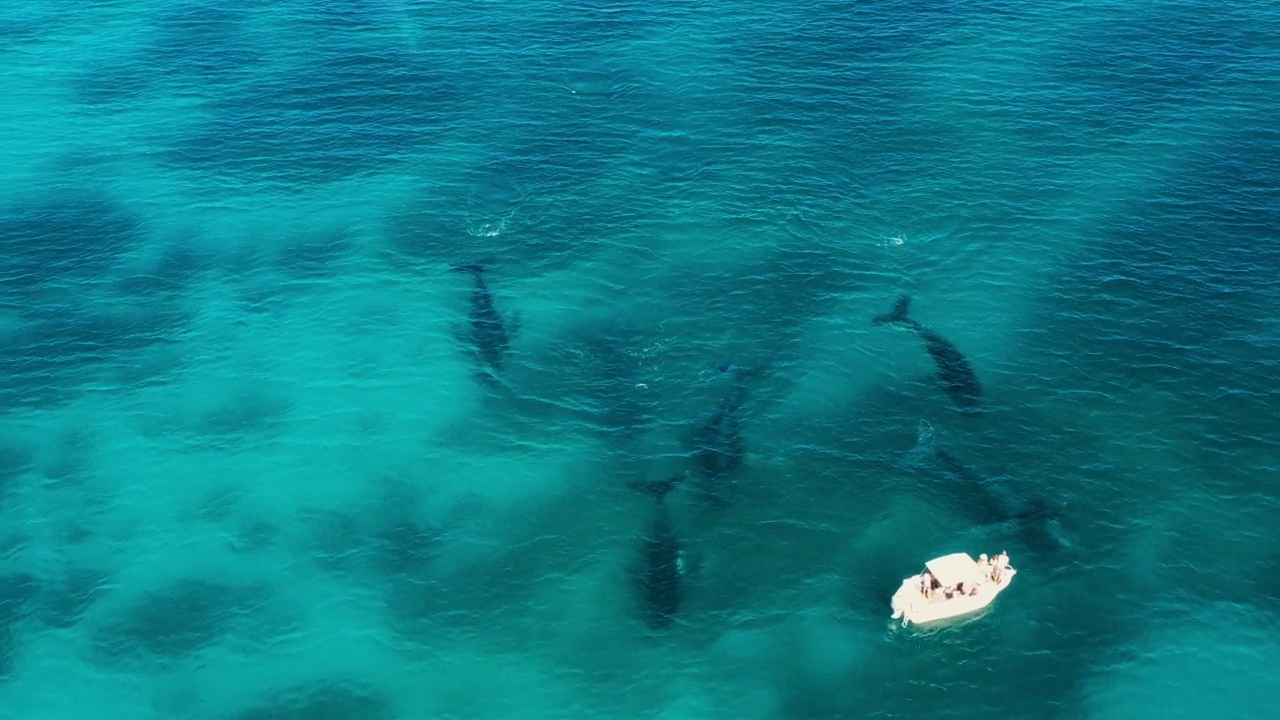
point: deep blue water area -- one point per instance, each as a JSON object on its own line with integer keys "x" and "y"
{"x": 392, "y": 359}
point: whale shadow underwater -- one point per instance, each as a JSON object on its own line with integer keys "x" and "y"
{"x": 487, "y": 332}
{"x": 716, "y": 448}
{"x": 663, "y": 566}
{"x": 954, "y": 371}
{"x": 989, "y": 501}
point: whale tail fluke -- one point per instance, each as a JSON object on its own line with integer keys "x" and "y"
{"x": 897, "y": 315}
{"x": 661, "y": 488}
{"x": 740, "y": 371}
{"x": 658, "y": 488}
{"x": 475, "y": 266}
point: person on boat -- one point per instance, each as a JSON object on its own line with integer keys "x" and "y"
{"x": 984, "y": 564}
{"x": 1002, "y": 562}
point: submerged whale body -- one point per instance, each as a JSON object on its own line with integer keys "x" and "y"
{"x": 990, "y": 502}
{"x": 954, "y": 371}
{"x": 718, "y": 448}
{"x": 489, "y": 335}
{"x": 661, "y": 576}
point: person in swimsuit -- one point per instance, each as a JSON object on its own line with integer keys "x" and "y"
{"x": 1002, "y": 562}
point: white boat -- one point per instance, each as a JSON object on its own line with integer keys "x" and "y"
{"x": 951, "y": 586}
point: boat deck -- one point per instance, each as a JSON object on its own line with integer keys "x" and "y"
{"x": 979, "y": 585}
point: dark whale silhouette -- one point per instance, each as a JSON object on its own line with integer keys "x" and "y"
{"x": 953, "y": 369}
{"x": 717, "y": 447}
{"x": 663, "y": 568}
{"x": 489, "y": 336}
{"x": 991, "y": 502}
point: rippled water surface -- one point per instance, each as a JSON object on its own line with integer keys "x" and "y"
{"x": 263, "y": 456}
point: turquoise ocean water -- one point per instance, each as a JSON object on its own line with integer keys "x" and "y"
{"x": 249, "y": 469}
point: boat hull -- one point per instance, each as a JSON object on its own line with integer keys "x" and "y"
{"x": 910, "y": 604}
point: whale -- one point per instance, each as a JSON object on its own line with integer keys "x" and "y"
{"x": 663, "y": 565}
{"x": 988, "y": 501}
{"x": 955, "y": 372}
{"x": 489, "y": 334}
{"x": 717, "y": 447}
